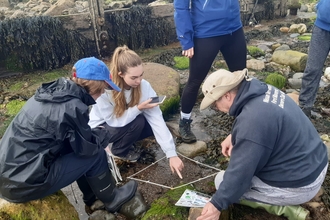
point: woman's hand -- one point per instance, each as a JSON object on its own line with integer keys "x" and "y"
{"x": 188, "y": 53}
{"x": 227, "y": 146}
{"x": 209, "y": 212}
{"x": 146, "y": 105}
{"x": 176, "y": 165}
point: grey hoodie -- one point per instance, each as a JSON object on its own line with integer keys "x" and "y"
{"x": 273, "y": 140}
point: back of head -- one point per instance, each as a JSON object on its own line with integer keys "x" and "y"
{"x": 122, "y": 59}
{"x": 92, "y": 74}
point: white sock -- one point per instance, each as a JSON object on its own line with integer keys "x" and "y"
{"x": 185, "y": 115}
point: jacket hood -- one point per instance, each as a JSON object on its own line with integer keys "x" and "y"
{"x": 62, "y": 90}
{"x": 247, "y": 91}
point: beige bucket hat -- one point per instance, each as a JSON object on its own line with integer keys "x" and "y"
{"x": 218, "y": 83}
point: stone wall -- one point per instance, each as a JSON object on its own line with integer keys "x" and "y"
{"x": 250, "y": 13}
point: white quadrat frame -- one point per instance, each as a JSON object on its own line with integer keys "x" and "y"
{"x": 167, "y": 187}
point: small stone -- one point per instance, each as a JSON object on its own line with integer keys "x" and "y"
{"x": 284, "y": 29}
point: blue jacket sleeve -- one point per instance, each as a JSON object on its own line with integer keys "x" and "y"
{"x": 183, "y": 24}
{"x": 246, "y": 160}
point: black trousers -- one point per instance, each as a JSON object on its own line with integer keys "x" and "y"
{"x": 233, "y": 48}
{"x": 122, "y": 138}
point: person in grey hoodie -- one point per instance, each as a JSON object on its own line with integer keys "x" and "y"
{"x": 276, "y": 154}
{"x": 319, "y": 49}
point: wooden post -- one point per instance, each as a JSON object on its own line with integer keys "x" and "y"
{"x": 96, "y": 8}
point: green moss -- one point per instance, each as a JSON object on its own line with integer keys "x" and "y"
{"x": 276, "y": 80}
{"x": 34, "y": 80}
{"x": 255, "y": 51}
{"x": 14, "y": 106}
{"x": 4, "y": 124}
{"x": 55, "y": 206}
{"x": 164, "y": 207}
{"x": 17, "y": 86}
{"x": 181, "y": 63}
{"x": 304, "y": 37}
{"x": 170, "y": 106}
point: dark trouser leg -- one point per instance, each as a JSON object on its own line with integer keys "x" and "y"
{"x": 88, "y": 195}
{"x": 69, "y": 168}
{"x": 146, "y": 131}
{"x": 124, "y": 137}
{"x": 234, "y": 51}
{"x": 205, "y": 51}
{"x": 318, "y": 51}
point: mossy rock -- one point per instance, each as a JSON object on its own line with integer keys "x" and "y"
{"x": 304, "y": 37}
{"x": 164, "y": 207}
{"x": 181, "y": 63}
{"x": 276, "y": 80}
{"x": 170, "y": 106}
{"x": 52, "y": 207}
{"x": 255, "y": 51}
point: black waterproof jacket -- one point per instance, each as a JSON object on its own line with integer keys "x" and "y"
{"x": 53, "y": 121}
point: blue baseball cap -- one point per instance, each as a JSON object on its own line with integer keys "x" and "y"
{"x": 94, "y": 69}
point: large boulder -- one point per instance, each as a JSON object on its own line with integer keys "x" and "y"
{"x": 163, "y": 79}
{"x": 296, "y": 60}
{"x": 55, "y": 206}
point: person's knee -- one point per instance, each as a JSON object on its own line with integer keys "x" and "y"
{"x": 139, "y": 122}
{"x": 218, "y": 179}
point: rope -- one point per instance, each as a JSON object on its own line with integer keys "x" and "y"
{"x": 167, "y": 187}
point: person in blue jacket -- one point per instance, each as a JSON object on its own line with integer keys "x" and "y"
{"x": 277, "y": 157}
{"x": 205, "y": 27}
{"x": 319, "y": 49}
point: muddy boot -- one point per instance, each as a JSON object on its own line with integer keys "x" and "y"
{"x": 185, "y": 131}
{"x": 112, "y": 196}
{"x": 292, "y": 212}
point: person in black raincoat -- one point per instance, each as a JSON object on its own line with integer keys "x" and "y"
{"x": 49, "y": 143}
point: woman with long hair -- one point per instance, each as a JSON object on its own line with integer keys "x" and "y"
{"x": 129, "y": 115}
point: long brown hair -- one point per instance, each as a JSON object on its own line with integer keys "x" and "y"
{"x": 122, "y": 59}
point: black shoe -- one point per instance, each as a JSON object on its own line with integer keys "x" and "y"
{"x": 307, "y": 111}
{"x": 132, "y": 156}
{"x": 185, "y": 131}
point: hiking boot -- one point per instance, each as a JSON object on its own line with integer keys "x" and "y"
{"x": 185, "y": 131}
{"x": 132, "y": 155}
